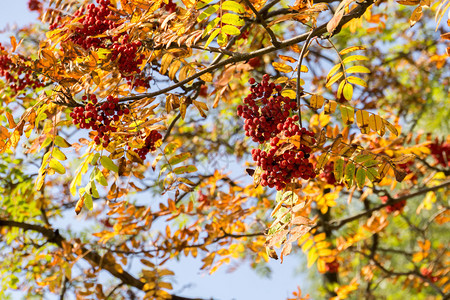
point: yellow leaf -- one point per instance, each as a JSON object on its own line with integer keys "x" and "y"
{"x": 282, "y": 67}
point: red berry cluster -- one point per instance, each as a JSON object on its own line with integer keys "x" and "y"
{"x": 99, "y": 116}
{"x": 265, "y": 110}
{"x": 96, "y": 20}
{"x": 441, "y": 152}
{"x": 17, "y": 75}
{"x": 266, "y": 115}
{"x": 332, "y": 267}
{"x": 170, "y": 6}
{"x": 34, "y": 5}
{"x": 394, "y": 207}
{"x": 150, "y": 144}
{"x": 426, "y": 272}
{"x": 279, "y": 167}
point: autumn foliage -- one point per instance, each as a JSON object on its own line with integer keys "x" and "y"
{"x": 136, "y": 132}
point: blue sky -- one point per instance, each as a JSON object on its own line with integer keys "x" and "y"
{"x": 241, "y": 284}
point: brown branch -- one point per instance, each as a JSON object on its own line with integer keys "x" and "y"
{"x": 319, "y": 31}
{"x": 261, "y": 20}
{"x": 92, "y": 257}
{"x": 336, "y": 224}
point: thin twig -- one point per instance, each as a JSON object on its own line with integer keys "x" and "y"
{"x": 299, "y": 67}
{"x": 273, "y": 38}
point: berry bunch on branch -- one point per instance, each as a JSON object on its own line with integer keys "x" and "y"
{"x": 102, "y": 117}
{"x": 267, "y": 119}
{"x": 16, "y": 73}
{"x": 92, "y": 33}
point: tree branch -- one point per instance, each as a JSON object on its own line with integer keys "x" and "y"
{"x": 336, "y": 224}
{"x": 319, "y": 31}
{"x": 92, "y": 257}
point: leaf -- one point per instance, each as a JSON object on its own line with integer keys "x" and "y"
{"x": 57, "y": 166}
{"x": 351, "y": 49}
{"x": 348, "y": 114}
{"x": 185, "y": 169}
{"x": 61, "y": 142}
{"x": 233, "y": 6}
{"x": 405, "y": 158}
{"x": 312, "y": 257}
{"x": 233, "y": 19}
{"x": 354, "y": 58}
{"x": 108, "y": 164}
{"x": 284, "y": 68}
{"x": 289, "y": 93}
{"x": 231, "y": 30}
{"x": 334, "y": 22}
{"x": 356, "y": 80}
{"x": 316, "y": 101}
{"x": 321, "y": 162}
{"x": 348, "y": 91}
{"x": 165, "y": 62}
{"x": 58, "y": 154}
{"x": 179, "y": 158}
{"x": 10, "y": 118}
{"x": 88, "y": 203}
{"x": 171, "y": 147}
{"x": 376, "y": 124}
{"x": 207, "y": 12}
{"x": 212, "y": 37}
{"x": 330, "y": 107}
{"x": 357, "y": 69}
{"x": 362, "y": 120}
{"x": 333, "y": 70}
{"x": 383, "y": 170}
{"x": 349, "y": 173}
{"x": 372, "y": 174}
{"x": 390, "y": 127}
{"x": 334, "y": 78}
{"x": 360, "y": 177}
{"x": 339, "y": 169}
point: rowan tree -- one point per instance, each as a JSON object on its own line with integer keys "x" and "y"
{"x": 229, "y": 131}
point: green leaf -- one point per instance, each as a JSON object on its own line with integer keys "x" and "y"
{"x": 61, "y": 142}
{"x": 233, "y": 6}
{"x": 349, "y": 173}
{"x": 289, "y": 198}
{"x": 372, "y": 174}
{"x": 360, "y": 177}
{"x": 108, "y": 164}
{"x": 202, "y": 4}
{"x": 207, "y": 12}
{"x": 58, "y": 154}
{"x": 46, "y": 142}
{"x": 100, "y": 178}
{"x": 358, "y": 69}
{"x": 88, "y": 201}
{"x": 233, "y": 19}
{"x": 339, "y": 169}
{"x": 371, "y": 163}
{"x": 179, "y": 158}
{"x": 231, "y": 30}
{"x": 57, "y": 166}
{"x": 363, "y": 157}
{"x": 185, "y": 169}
